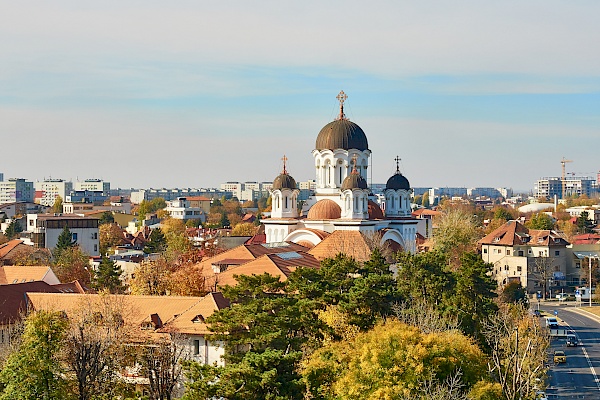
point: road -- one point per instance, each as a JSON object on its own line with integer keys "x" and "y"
{"x": 578, "y": 378}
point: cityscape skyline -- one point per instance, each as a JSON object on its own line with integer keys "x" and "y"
{"x": 467, "y": 95}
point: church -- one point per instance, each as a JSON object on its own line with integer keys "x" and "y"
{"x": 342, "y": 200}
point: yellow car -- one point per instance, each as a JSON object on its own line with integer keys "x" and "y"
{"x": 560, "y": 357}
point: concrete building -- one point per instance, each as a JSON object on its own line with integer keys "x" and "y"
{"x": 48, "y": 190}
{"x": 137, "y": 196}
{"x": 86, "y": 196}
{"x": 573, "y": 186}
{"x": 93, "y": 185}
{"x": 182, "y": 208}
{"x": 44, "y": 230}
{"x": 16, "y": 190}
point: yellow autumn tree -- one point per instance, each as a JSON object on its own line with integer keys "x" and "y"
{"x": 395, "y": 360}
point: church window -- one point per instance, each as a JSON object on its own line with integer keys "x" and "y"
{"x": 286, "y": 202}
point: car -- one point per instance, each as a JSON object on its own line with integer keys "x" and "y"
{"x": 551, "y": 322}
{"x": 560, "y": 357}
{"x": 572, "y": 340}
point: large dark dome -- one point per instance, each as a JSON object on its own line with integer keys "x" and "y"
{"x": 397, "y": 181}
{"x": 284, "y": 181}
{"x": 354, "y": 181}
{"x": 341, "y": 134}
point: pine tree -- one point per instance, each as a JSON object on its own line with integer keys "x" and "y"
{"x": 65, "y": 239}
{"x": 157, "y": 243}
{"x": 108, "y": 276}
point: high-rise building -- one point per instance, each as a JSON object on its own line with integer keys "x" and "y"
{"x": 48, "y": 190}
{"x": 16, "y": 190}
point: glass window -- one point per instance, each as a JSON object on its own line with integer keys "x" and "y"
{"x": 196, "y": 347}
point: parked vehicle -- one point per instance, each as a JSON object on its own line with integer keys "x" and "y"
{"x": 560, "y": 357}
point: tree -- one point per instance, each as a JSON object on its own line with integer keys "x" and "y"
{"x": 93, "y": 345}
{"x": 57, "y": 207}
{"x": 423, "y": 276}
{"x": 65, "y": 240}
{"x": 540, "y": 221}
{"x": 110, "y": 235}
{"x": 456, "y": 233}
{"x": 106, "y": 218}
{"x": 542, "y": 272}
{"x": 584, "y": 225}
{"x": 393, "y": 360}
{"x": 72, "y": 264}
{"x": 425, "y": 200}
{"x": 244, "y": 229}
{"x": 514, "y": 293}
{"x": 148, "y": 207}
{"x": 518, "y": 346}
{"x": 13, "y": 229}
{"x": 503, "y": 213}
{"x": 187, "y": 280}
{"x": 163, "y": 365}
{"x": 157, "y": 243}
{"x": 151, "y": 278}
{"x": 234, "y": 219}
{"x": 108, "y": 276}
{"x": 34, "y": 372}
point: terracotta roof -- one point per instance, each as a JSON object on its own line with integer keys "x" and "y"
{"x": 197, "y": 198}
{"x": 72, "y": 287}
{"x": 280, "y": 265}
{"x": 587, "y": 238}
{"x": 13, "y": 301}
{"x": 192, "y": 320}
{"x": 351, "y": 243}
{"x": 10, "y": 274}
{"x": 158, "y": 314}
{"x": 324, "y": 209}
{"x": 513, "y": 233}
{"x": 374, "y": 210}
{"x": 9, "y": 246}
{"x": 425, "y": 211}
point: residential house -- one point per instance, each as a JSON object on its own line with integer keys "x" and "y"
{"x": 44, "y": 230}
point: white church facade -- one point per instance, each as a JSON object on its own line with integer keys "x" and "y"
{"x": 342, "y": 199}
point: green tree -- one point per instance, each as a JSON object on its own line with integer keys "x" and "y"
{"x": 514, "y": 293}
{"x": 540, "y": 221}
{"x": 108, "y": 276}
{"x": 502, "y": 213}
{"x": 244, "y": 229}
{"x": 106, "y": 218}
{"x": 57, "y": 207}
{"x": 148, "y": 207}
{"x": 34, "y": 371}
{"x": 457, "y": 232}
{"x": 65, "y": 240}
{"x": 584, "y": 225}
{"x": 157, "y": 243}
{"x": 423, "y": 276}
{"x": 13, "y": 229}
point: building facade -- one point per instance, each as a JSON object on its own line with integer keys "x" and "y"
{"x": 16, "y": 190}
{"x": 44, "y": 230}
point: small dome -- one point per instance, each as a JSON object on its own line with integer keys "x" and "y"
{"x": 342, "y": 134}
{"x": 354, "y": 181}
{"x": 374, "y": 210}
{"x": 284, "y": 181}
{"x": 325, "y": 209}
{"x": 397, "y": 181}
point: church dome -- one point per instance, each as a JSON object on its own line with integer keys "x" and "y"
{"x": 342, "y": 134}
{"x": 354, "y": 181}
{"x": 284, "y": 181}
{"x": 325, "y": 209}
{"x": 374, "y": 210}
{"x": 397, "y": 181}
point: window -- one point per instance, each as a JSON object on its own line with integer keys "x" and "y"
{"x": 577, "y": 265}
{"x": 520, "y": 253}
{"x": 507, "y": 252}
{"x": 196, "y": 347}
{"x": 506, "y": 267}
{"x": 518, "y": 268}
{"x": 74, "y": 236}
{"x": 557, "y": 252}
{"x": 485, "y": 251}
{"x": 95, "y": 247}
{"x": 95, "y": 235}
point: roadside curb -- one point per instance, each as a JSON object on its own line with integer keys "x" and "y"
{"x": 585, "y": 313}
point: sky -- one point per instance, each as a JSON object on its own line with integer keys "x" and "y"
{"x": 195, "y": 93}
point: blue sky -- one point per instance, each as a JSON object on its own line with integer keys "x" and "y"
{"x": 192, "y": 94}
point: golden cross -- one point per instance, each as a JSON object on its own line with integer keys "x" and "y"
{"x": 284, "y": 158}
{"x": 342, "y": 98}
{"x": 354, "y": 160}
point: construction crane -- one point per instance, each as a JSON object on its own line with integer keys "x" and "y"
{"x": 563, "y": 162}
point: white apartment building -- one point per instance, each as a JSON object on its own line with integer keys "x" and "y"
{"x": 16, "y": 190}
{"x": 182, "y": 209}
{"x": 45, "y": 229}
{"x": 93, "y": 185}
{"x": 572, "y": 186}
{"x": 48, "y": 190}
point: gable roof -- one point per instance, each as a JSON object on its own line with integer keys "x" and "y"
{"x": 280, "y": 264}
{"x": 192, "y": 320}
{"x": 351, "y": 243}
{"x": 513, "y": 233}
{"x": 10, "y": 274}
{"x": 13, "y": 299}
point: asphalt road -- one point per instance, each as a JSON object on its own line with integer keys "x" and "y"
{"x": 578, "y": 378}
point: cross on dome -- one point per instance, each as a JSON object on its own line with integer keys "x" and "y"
{"x": 397, "y": 159}
{"x": 341, "y": 98}
{"x": 354, "y": 161}
{"x": 284, "y": 159}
